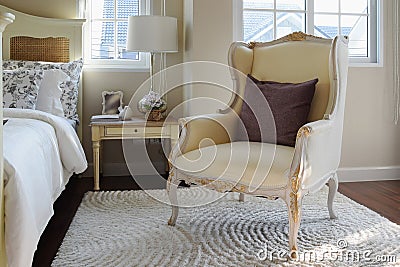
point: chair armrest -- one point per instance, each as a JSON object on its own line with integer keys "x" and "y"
{"x": 317, "y": 152}
{"x": 204, "y": 130}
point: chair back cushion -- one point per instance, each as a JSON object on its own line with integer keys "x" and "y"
{"x": 288, "y": 62}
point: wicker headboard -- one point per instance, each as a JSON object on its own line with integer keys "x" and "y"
{"x": 53, "y": 49}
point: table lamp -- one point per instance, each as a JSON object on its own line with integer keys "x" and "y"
{"x": 154, "y": 34}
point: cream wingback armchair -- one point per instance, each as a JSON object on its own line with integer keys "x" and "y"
{"x": 264, "y": 169}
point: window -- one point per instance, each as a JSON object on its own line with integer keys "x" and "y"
{"x": 265, "y": 20}
{"x": 106, "y": 30}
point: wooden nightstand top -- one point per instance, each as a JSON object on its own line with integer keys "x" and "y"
{"x": 134, "y": 121}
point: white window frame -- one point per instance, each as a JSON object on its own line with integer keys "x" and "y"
{"x": 142, "y": 64}
{"x": 374, "y": 47}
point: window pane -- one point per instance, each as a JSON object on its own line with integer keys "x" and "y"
{"x": 289, "y": 22}
{"x": 326, "y": 26}
{"x": 356, "y": 28}
{"x": 258, "y": 25}
{"x": 127, "y": 8}
{"x": 356, "y": 18}
{"x": 258, "y": 4}
{"x": 354, "y": 6}
{"x": 102, "y": 40}
{"x": 121, "y": 42}
{"x": 327, "y": 5}
{"x": 291, "y": 4}
{"x": 103, "y": 9}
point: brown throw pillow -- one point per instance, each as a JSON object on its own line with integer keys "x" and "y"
{"x": 289, "y": 104}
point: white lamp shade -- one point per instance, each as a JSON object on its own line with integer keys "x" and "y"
{"x": 152, "y": 34}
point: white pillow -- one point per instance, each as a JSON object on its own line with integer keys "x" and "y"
{"x": 49, "y": 96}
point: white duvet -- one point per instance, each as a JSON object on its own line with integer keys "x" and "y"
{"x": 41, "y": 152}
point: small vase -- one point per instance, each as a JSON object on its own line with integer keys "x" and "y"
{"x": 153, "y": 105}
{"x": 155, "y": 115}
{"x": 152, "y": 101}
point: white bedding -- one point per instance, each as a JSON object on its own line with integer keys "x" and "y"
{"x": 41, "y": 152}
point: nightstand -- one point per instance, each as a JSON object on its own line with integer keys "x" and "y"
{"x": 136, "y": 128}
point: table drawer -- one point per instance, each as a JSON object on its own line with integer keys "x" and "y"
{"x": 134, "y": 131}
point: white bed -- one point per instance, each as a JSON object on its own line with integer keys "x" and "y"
{"x": 41, "y": 151}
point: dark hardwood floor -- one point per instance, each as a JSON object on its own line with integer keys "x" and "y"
{"x": 65, "y": 208}
{"x": 382, "y": 197}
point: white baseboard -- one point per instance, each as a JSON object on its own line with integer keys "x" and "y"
{"x": 369, "y": 174}
{"x": 120, "y": 169}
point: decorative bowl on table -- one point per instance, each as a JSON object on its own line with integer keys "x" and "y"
{"x": 153, "y": 106}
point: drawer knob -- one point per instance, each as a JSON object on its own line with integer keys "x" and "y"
{"x": 136, "y": 131}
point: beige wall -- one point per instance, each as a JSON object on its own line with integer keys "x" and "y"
{"x": 209, "y": 33}
{"x": 370, "y": 138}
{"x": 44, "y": 8}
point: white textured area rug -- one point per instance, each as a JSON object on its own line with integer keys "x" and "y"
{"x": 129, "y": 228}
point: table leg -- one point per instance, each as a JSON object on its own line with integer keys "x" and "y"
{"x": 167, "y": 150}
{"x": 101, "y": 159}
{"x": 174, "y": 139}
{"x": 96, "y": 164}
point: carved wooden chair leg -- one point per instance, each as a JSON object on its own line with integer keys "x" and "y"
{"x": 172, "y": 186}
{"x": 333, "y": 187}
{"x": 294, "y": 207}
{"x": 241, "y": 197}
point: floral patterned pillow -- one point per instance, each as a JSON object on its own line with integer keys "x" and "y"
{"x": 73, "y": 69}
{"x": 20, "y": 88}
